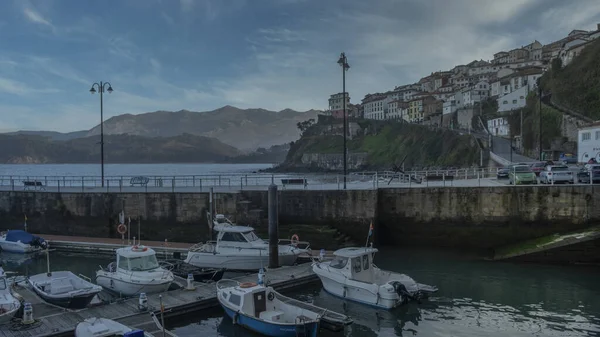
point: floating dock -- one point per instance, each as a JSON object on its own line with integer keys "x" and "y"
{"x": 54, "y": 321}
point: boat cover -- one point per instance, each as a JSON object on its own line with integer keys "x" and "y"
{"x": 23, "y": 236}
{"x": 135, "y": 333}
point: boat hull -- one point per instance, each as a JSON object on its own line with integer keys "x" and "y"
{"x": 74, "y": 302}
{"x": 129, "y": 288}
{"x": 18, "y": 247}
{"x": 7, "y": 316}
{"x": 236, "y": 262}
{"x": 271, "y": 329}
{"x": 359, "y": 292}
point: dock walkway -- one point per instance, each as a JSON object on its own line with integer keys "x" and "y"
{"x": 54, "y": 321}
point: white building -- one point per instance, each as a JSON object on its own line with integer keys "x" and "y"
{"x": 476, "y": 93}
{"x": 453, "y": 103}
{"x": 498, "y": 127}
{"x": 515, "y": 100}
{"x": 394, "y": 110}
{"x": 588, "y": 143}
{"x": 375, "y": 106}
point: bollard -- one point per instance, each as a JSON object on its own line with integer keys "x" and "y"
{"x": 143, "y": 302}
{"x": 261, "y": 276}
{"x": 322, "y": 255}
{"x": 28, "y": 314}
{"x": 190, "y": 282}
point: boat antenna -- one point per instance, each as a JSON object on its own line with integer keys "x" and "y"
{"x": 129, "y": 231}
{"x": 369, "y": 235}
{"x": 48, "y": 259}
{"x": 139, "y": 237}
{"x": 25, "y": 223}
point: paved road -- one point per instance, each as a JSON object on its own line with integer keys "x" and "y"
{"x": 501, "y": 147}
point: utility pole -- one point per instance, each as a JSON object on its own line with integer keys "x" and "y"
{"x": 540, "y": 121}
{"x": 510, "y": 135}
{"x": 343, "y": 61}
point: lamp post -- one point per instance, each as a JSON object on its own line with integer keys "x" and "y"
{"x": 100, "y": 87}
{"x": 343, "y": 62}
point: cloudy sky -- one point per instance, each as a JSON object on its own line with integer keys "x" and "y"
{"x": 274, "y": 54}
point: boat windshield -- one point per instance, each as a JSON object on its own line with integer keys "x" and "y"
{"x": 143, "y": 263}
{"x": 2, "y": 283}
{"x": 252, "y": 237}
{"x": 339, "y": 262}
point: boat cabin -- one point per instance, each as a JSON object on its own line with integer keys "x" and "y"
{"x": 355, "y": 262}
{"x": 136, "y": 258}
{"x": 236, "y": 236}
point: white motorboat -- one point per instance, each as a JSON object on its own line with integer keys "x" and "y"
{"x": 239, "y": 248}
{"x": 20, "y": 241}
{"x": 263, "y": 310}
{"x": 353, "y": 276}
{"x": 135, "y": 271}
{"x": 103, "y": 327}
{"x": 9, "y": 304}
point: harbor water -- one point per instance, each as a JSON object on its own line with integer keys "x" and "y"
{"x": 476, "y": 297}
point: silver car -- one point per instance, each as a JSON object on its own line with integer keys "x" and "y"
{"x": 554, "y": 174}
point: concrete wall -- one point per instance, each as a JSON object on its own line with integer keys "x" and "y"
{"x": 472, "y": 218}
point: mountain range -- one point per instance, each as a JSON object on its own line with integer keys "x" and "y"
{"x": 244, "y": 129}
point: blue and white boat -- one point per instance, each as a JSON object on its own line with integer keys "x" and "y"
{"x": 103, "y": 327}
{"x": 20, "y": 241}
{"x": 263, "y": 310}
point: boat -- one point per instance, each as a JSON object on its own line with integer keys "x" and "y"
{"x": 263, "y": 310}
{"x": 352, "y": 275}
{"x": 64, "y": 289}
{"x": 103, "y": 327}
{"x": 9, "y": 304}
{"x": 135, "y": 271}
{"x": 20, "y": 241}
{"x": 239, "y": 248}
{"x": 182, "y": 269}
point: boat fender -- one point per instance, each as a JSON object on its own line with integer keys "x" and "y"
{"x": 271, "y": 296}
{"x": 247, "y": 285}
{"x": 295, "y": 239}
{"x": 236, "y": 317}
{"x": 139, "y": 249}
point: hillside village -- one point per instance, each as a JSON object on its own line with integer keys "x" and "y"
{"x": 454, "y": 98}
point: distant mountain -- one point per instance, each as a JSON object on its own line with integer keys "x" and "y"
{"x": 245, "y": 129}
{"x": 184, "y": 148}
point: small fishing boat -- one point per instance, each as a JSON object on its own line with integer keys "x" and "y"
{"x": 9, "y": 304}
{"x": 103, "y": 327}
{"x": 263, "y": 310}
{"x": 64, "y": 289}
{"x": 135, "y": 271}
{"x": 353, "y": 276}
{"x": 182, "y": 269}
{"x": 20, "y": 241}
{"x": 239, "y": 248}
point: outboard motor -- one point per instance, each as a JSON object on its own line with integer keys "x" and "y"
{"x": 39, "y": 242}
{"x": 404, "y": 293}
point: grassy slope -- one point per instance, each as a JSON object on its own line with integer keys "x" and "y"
{"x": 577, "y": 86}
{"x": 388, "y": 143}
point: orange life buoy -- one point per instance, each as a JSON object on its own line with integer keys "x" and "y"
{"x": 122, "y": 229}
{"x": 247, "y": 285}
{"x": 138, "y": 249}
{"x": 295, "y": 239}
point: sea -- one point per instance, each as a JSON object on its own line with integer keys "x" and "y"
{"x": 475, "y": 298}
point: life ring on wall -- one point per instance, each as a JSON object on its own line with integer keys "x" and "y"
{"x": 295, "y": 239}
{"x": 247, "y": 285}
{"x": 139, "y": 249}
{"x": 122, "y": 229}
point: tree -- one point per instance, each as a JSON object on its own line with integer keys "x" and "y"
{"x": 556, "y": 65}
{"x": 303, "y": 126}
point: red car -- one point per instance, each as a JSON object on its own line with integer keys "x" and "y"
{"x": 538, "y": 167}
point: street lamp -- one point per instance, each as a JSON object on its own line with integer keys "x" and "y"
{"x": 343, "y": 62}
{"x": 100, "y": 87}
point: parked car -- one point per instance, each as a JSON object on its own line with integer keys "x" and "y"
{"x": 502, "y": 173}
{"x": 583, "y": 176}
{"x": 568, "y": 158}
{"x": 538, "y": 167}
{"x": 554, "y": 174}
{"x": 521, "y": 174}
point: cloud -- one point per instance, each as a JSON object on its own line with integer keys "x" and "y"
{"x": 168, "y": 19}
{"x": 155, "y": 64}
{"x": 186, "y": 5}
{"x": 18, "y": 88}
{"x": 36, "y": 17}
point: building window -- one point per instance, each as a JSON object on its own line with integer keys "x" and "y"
{"x": 597, "y": 135}
{"x": 521, "y": 97}
{"x": 585, "y": 136}
{"x": 504, "y": 102}
{"x": 514, "y": 101}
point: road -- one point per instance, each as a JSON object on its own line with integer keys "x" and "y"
{"x": 501, "y": 147}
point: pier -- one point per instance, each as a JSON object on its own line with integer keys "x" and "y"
{"x": 54, "y": 321}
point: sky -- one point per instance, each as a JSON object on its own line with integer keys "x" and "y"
{"x": 200, "y": 55}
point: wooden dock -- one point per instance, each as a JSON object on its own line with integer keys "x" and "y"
{"x": 54, "y": 321}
